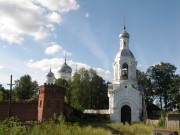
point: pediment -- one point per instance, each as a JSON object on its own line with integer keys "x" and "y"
{"x": 126, "y": 86}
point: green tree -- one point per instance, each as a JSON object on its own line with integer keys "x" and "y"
{"x": 88, "y": 90}
{"x": 1, "y": 92}
{"x": 80, "y": 94}
{"x": 148, "y": 95}
{"x": 65, "y": 83}
{"x": 145, "y": 84}
{"x": 98, "y": 92}
{"x": 175, "y": 92}
{"x": 161, "y": 76}
{"x": 61, "y": 82}
{"x": 25, "y": 88}
{"x": 1, "y": 95}
{"x": 4, "y": 94}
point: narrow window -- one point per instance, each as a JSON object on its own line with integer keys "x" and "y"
{"x": 124, "y": 44}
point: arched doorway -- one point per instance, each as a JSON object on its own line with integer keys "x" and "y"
{"x": 126, "y": 114}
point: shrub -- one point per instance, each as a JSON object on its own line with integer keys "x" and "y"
{"x": 162, "y": 119}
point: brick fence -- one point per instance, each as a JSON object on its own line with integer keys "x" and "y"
{"x": 24, "y": 110}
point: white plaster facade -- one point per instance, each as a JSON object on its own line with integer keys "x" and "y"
{"x": 66, "y": 76}
{"x": 125, "y": 100}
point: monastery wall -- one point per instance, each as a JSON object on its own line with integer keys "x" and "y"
{"x": 24, "y": 110}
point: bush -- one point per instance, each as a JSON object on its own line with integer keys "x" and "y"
{"x": 11, "y": 126}
{"x": 52, "y": 127}
{"x": 162, "y": 119}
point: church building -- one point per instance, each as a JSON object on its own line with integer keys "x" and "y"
{"x": 64, "y": 73}
{"x": 125, "y": 98}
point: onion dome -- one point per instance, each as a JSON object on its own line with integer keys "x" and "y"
{"x": 124, "y": 33}
{"x": 50, "y": 77}
{"x": 50, "y": 74}
{"x": 65, "y": 68}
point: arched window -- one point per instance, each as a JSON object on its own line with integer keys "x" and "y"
{"x": 124, "y": 44}
{"x": 125, "y": 71}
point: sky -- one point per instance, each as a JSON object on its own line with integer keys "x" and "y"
{"x": 35, "y": 34}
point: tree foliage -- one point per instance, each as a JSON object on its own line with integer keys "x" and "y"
{"x": 64, "y": 83}
{"x": 146, "y": 86}
{"x": 25, "y": 88}
{"x": 88, "y": 90}
{"x": 161, "y": 76}
{"x": 4, "y": 94}
{"x": 175, "y": 92}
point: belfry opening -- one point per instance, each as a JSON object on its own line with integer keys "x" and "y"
{"x": 125, "y": 71}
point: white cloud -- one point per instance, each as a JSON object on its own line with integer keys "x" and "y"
{"x": 59, "y": 5}
{"x": 55, "y": 48}
{"x": 56, "y": 63}
{"x": 35, "y": 18}
{"x": 1, "y": 67}
{"x": 106, "y": 74}
{"x": 44, "y": 64}
{"x": 54, "y": 17}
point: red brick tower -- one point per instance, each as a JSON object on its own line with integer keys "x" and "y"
{"x": 51, "y": 101}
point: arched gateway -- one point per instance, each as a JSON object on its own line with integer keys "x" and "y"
{"x": 125, "y": 98}
{"x": 125, "y": 114}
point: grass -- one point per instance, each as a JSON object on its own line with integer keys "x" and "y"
{"x": 133, "y": 129}
{"x": 60, "y": 127}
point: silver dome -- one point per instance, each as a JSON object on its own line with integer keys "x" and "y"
{"x": 124, "y": 33}
{"x": 50, "y": 74}
{"x": 65, "y": 68}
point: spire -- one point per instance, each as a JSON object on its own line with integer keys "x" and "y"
{"x": 50, "y": 72}
{"x": 124, "y": 34}
{"x": 124, "y": 27}
{"x": 65, "y": 58}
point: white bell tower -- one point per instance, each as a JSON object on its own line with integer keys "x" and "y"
{"x": 124, "y": 64}
{"x": 125, "y": 99}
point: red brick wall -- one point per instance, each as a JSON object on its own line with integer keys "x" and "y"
{"x": 23, "y": 110}
{"x": 51, "y": 101}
